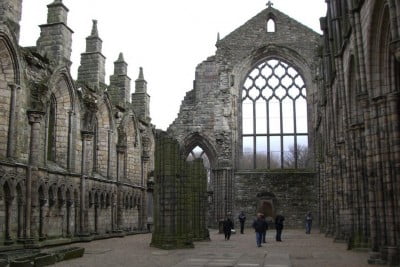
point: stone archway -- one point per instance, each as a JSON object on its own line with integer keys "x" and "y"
{"x": 266, "y": 204}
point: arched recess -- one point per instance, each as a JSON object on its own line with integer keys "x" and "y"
{"x": 62, "y": 93}
{"x": 131, "y": 159}
{"x": 379, "y": 50}
{"x": 104, "y": 138}
{"x": 9, "y": 82}
{"x": 196, "y": 139}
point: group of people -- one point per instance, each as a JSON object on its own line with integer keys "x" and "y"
{"x": 260, "y": 226}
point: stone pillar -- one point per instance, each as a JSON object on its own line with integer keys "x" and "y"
{"x": 69, "y": 148}
{"x": 109, "y": 145}
{"x": 12, "y": 126}
{"x": 35, "y": 118}
{"x": 170, "y": 215}
{"x": 86, "y": 139}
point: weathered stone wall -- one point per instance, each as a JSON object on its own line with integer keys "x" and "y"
{"x": 357, "y": 126}
{"x": 292, "y": 194}
{"x": 59, "y": 179}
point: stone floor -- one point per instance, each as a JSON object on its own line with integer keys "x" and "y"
{"x": 297, "y": 249}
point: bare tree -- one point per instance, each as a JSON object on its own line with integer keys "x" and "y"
{"x": 302, "y": 155}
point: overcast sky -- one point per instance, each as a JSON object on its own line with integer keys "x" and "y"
{"x": 168, "y": 38}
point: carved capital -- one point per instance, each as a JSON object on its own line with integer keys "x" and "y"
{"x": 87, "y": 135}
{"x": 35, "y": 116}
{"x": 14, "y": 86}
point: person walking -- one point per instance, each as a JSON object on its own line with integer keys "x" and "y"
{"x": 228, "y": 226}
{"x": 264, "y": 234}
{"x": 259, "y": 226}
{"x": 279, "y": 226}
{"x": 308, "y": 222}
{"x": 242, "y": 219}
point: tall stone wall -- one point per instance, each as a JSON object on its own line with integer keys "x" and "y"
{"x": 357, "y": 126}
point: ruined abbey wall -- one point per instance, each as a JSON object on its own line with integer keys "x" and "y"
{"x": 210, "y": 115}
{"x": 75, "y": 156}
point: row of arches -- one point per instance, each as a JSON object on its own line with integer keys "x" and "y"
{"x": 56, "y": 211}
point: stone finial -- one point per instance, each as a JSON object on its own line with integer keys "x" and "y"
{"x": 95, "y": 32}
{"x": 120, "y": 57}
{"x": 270, "y": 4}
{"x": 57, "y": 2}
{"x": 218, "y": 37}
{"x": 141, "y": 76}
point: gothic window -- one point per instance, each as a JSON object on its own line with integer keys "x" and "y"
{"x": 51, "y": 130}
{"x": 274, "y": 117}
{"x": 198, "y": 153}
{"x": 271, "y": 25}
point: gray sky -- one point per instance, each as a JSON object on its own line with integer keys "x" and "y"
{"x": 167, "y": 38}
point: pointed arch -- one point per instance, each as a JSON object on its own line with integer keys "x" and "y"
{"x": 196, "y": 139}
{"x": 10, "y": 80}
{"x": 273, "y": 116}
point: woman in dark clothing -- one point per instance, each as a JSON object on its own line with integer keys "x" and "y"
{"x": 228, "y": 226}
{"x": 279, "y": 226}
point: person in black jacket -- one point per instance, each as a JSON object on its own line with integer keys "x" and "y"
{"x": 228, "y": 226}
{"x": 242, "y": 219}
{"x": 279, "y": 226}
{"x": 259, "y": 225}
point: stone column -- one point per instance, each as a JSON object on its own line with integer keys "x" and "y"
{"x": 35, "y": 118}
{"x": 86, "y": 138}
{"x": 110, "y": 132}
{"x": 121, "y": 152}
{"x": 69, "y": 145}
{"x": 11, "y": 125}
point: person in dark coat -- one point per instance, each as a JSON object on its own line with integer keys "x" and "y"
{"x": 242, "y": 219}
{"x": 265, "y": 230}
{"x": 308, "y": 222}
{"x": 228, "y": 226}
{"x": 259, "y": 226}
{"x": 279, "y": 226}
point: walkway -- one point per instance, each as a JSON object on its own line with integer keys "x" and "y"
{"x": 297, "y": 249}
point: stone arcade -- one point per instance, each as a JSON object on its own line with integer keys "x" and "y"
{"x": 285, "y": 121}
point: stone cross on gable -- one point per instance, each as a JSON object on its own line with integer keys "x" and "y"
{"x": 269, "y": 4}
